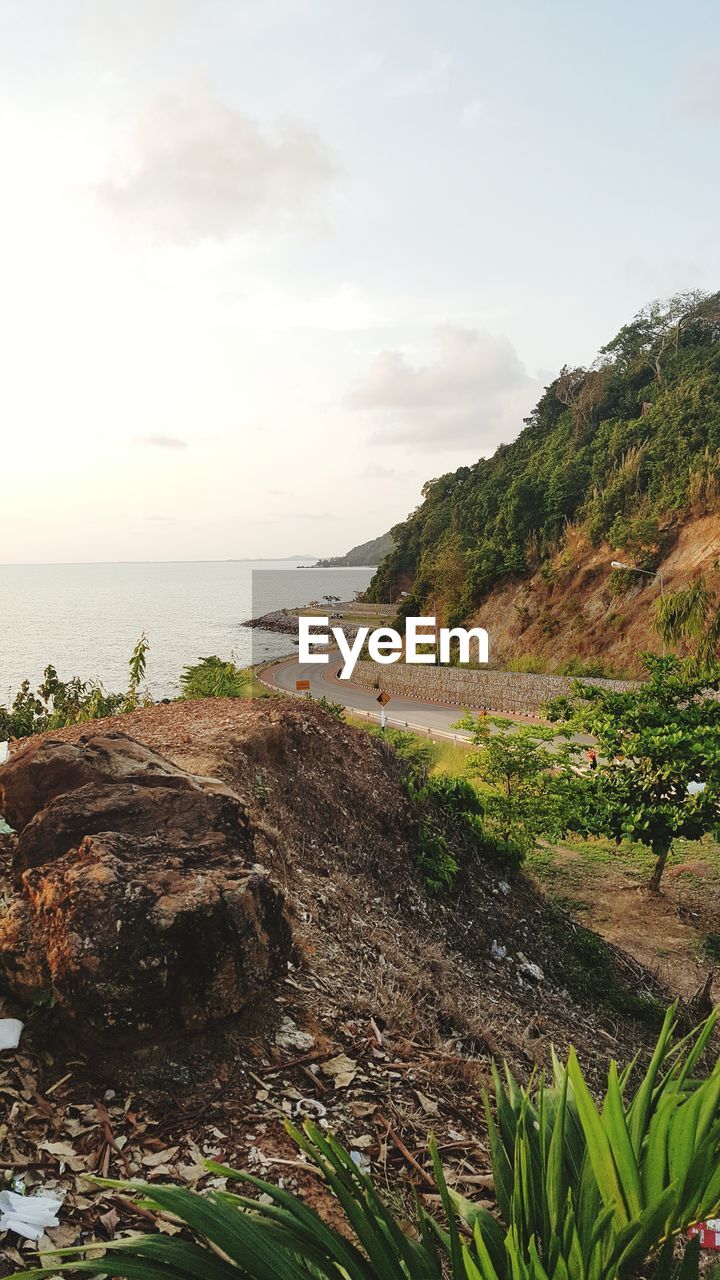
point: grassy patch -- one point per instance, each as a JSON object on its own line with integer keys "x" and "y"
{"x": 590, "y": 970}
{"x": 711, "y": 946}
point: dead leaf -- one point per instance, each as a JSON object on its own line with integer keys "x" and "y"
{"x": 429, "y": 1106}
{"x": 158, "y": 1158}
{"x": 342, "y": 1070}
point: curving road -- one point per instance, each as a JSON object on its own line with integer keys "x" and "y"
{"x": 436, "y": 719}
{"x": 432, "y": 718}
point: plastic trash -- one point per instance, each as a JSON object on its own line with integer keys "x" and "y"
{"x": 10, "y": 1029}
{"x": 28, "y": 1216}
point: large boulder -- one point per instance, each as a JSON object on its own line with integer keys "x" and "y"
{"x": 165, "y": 811}
{"x": 139, "y": 906}
{"x": 49, "y": 767}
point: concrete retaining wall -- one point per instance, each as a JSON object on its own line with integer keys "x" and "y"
{"x": 508, "y": 692}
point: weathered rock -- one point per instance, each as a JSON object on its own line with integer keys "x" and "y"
{"x": 139, "y": 908}
{"x": 49, "y": 767}
{"x": 161, "y": 810}
{"x": 132, "y": 934}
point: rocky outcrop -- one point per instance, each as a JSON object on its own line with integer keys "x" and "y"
{"x": 49, "y": 767}
{"x": 139, "y": 907}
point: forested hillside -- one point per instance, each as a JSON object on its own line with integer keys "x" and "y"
{"x": 621, "y": 453}
{"x": 365, "y": 553}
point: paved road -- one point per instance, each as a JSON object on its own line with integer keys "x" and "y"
{"x": 433, "y": 718}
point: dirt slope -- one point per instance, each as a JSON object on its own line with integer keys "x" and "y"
{"x": 571, "y": 613}
{"x": 387, "y": 1020}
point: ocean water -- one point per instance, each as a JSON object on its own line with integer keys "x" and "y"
{"x": 86, "y": 618}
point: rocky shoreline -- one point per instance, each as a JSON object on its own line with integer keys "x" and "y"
{"x": 284, "y": 621}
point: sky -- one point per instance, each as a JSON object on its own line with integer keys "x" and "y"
{"x": 267, "y": 266}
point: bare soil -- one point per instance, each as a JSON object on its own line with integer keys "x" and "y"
{"x": 570, "y": 613}
{"x": 675, "y": 934}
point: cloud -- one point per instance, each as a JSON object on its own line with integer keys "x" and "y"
{"x": 424, "y": 80}
{"x": 376, "y": 471}
{"x": 474, "y": 114}
{"x": 476, "y": 392}
{"x": 698, "y": 92}
{"x": 118, "y": 27}
{"x": 161, "y": 442}
{"x": 198, "y": 169}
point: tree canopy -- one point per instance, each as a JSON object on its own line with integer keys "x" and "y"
{"x": 622, "y": 449}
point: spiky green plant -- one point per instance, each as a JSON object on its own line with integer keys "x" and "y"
{"x": 590, "y": 1194}
{"x": 583, "y": 1193}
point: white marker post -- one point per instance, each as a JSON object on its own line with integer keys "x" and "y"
{"x": 383, "y": 698}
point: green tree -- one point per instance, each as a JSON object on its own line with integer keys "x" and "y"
{"x": 527, "y": 789}
{"x": 658, "y": 768}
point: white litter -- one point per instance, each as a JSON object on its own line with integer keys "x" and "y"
{"x": 10, "y": 1029}
{"x": 28, "y": 1216}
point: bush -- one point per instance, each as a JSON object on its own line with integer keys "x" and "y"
{"x": 449, "y": 814}
{"x": 214, "y": 677}
{"x": 335, "y": 709}
{"x": 57, "y": 703}
{"x": 583, "y": 1193}
{"x": 527, "y": 796}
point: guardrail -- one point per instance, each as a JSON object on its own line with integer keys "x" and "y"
{"x": 459, "y": 739}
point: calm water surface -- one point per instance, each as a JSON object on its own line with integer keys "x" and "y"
{"x": 85, "y": 618}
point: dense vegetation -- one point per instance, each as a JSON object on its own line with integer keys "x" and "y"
{"x": 583, "y": 1193}
{"x": 622, "y": 449}
{"x": 56, "y": 703}
{"x": 365, "y": 553}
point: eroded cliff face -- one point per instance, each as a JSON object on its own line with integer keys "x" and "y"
{"x": 569, "y": 611}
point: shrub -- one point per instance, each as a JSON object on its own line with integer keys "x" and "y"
{"x": 57, "y": 702}
{"x": 335, "y": 709}
{"x": 214, "y": 677}
{"x": 450, "y": 826}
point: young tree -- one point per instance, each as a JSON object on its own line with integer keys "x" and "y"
{"x": 530, "y": 791}
{"x": 658, "y": 771}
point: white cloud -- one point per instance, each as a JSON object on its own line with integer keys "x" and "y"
{"x": 129, "y": 21}
{"x": 474, "y": 114}
{"x": 161, "y": 442}
{"x": 376, "y": 471}
{"x": 423, "y": 80}
{"x": 199, "y": 169}
{"x": 476, "y": 391}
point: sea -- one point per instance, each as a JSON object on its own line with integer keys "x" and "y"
{"x": 86, "y": 618}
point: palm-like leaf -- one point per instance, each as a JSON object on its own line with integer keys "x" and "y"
{"x": 584, "y": 1193}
